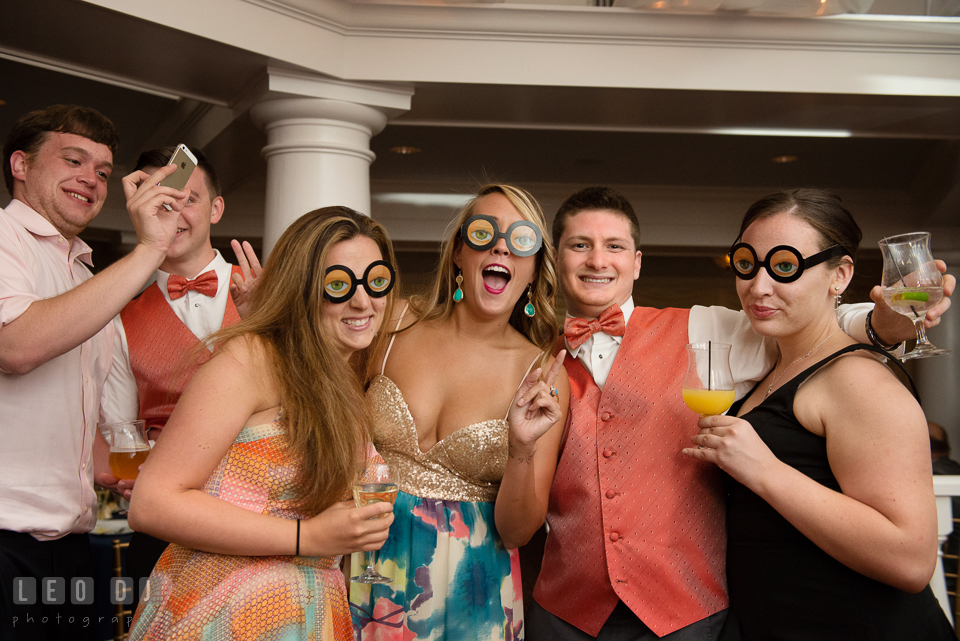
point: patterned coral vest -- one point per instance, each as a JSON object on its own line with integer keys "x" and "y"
{"x": 631, "y": 517}
{"x": 160, "y": 346}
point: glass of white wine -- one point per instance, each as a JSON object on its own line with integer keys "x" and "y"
{"x": 912, "y": 284}
{"x": 377, "y": 485}
{"x": 708, "y": 385}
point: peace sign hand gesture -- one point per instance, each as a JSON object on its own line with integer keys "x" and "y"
{"x": 536, "y": 405}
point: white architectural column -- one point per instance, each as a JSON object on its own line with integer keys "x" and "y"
{"x": 318, "y": 144}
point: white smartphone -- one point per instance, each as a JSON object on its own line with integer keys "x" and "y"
{"x": 186, "y": 162}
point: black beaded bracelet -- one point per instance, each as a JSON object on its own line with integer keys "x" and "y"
{"x": 876, "y": 339}
{"x": 298, "y": 537}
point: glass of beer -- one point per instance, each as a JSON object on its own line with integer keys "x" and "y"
{"x": 708, "y": 385}
{"x": 128, "y": 447}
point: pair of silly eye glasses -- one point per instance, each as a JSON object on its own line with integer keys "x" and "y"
{"x": 481, "y": 232}
{"x": 340, "y": 283}
{"x": 784, "y": 263}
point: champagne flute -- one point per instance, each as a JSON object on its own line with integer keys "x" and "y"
{"x": 708, "y": 385}
{"x": 376, "y": 486}
{"x": 912, "y": 284}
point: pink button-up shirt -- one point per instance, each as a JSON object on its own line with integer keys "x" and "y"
{"x": 48, "y": 418}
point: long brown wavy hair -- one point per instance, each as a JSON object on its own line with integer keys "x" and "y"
{"x": 321, "y": 395}
{"x": 542, "y": 329}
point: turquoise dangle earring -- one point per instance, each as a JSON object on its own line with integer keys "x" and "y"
{"x": 529, "y": 309}
{"x": 458, "y": 294}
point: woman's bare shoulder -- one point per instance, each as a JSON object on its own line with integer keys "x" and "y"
{"x": 858, "y": 383}
{"x": 247, "y": 350}
{"x": 862, "y": 365}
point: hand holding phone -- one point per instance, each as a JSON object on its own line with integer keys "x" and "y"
{"x": 186, "y": 162}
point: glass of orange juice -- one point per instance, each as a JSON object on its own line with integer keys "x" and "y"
{"x": 128, "y": 447}
{"x": 708, "y": 385}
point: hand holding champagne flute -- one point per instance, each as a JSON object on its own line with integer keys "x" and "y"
{"x": 708, "y": 385}
{"x": 376, "y": 486}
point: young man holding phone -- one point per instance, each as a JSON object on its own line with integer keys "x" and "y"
{"x": 56, "y": 346}
{"x": 189, "y": 300}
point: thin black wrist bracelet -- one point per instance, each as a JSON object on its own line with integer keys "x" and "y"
{"x": 876, "y": 339}
{"x": 298, "y": 537}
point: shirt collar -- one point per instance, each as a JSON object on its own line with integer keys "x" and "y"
{"x": 37, "y": 225}
{"x": 221, "y": 266}
{"x": 626, "y": 308}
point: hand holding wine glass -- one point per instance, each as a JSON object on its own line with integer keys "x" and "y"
{"x": 912, "y": 284}
{"x": 378, "y": 485}
{"x": 708, "y": 385}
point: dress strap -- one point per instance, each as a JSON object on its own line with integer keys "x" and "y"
{"x": 523, "y": 378}
{"x": 870, "y": 348}
{"x": 785, "y": 393}
{"x": 383, "y": 365}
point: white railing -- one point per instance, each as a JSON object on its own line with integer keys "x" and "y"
{"x": 945, "y": 487}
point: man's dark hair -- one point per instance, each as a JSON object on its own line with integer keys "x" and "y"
{"x": 593, "y": 198}
{"x": 160, "y": 157}
{"x": 30, "y": 132}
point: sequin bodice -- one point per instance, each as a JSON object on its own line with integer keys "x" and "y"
{"x": 467, "y": 465}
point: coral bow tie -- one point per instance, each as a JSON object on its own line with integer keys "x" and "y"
{"x": 578, "y": 330}
{"x": 205, "y": 283}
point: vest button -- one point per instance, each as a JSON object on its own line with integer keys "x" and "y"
{"x": 606, "y": 416}
{"x": 611, "y": 494}
{"x": 614, "y": 537}
{"x": 607, "y": 453}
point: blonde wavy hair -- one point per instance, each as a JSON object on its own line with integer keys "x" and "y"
{"x": 321, "y": 395}
{"x": 542, "y": 330}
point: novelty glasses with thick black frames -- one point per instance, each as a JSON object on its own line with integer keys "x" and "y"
{"x": 340, "y": 283}
{"x": 784, "y": 263}
{"x": 482, "y": 232}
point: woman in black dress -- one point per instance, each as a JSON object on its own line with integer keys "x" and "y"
{"x": 831, "y": 519}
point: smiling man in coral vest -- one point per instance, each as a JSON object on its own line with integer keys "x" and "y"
{"x": 161, "y": 328}
{"x": 636, "y": 545}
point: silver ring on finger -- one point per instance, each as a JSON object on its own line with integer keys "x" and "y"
{"x": 553, "y": 392}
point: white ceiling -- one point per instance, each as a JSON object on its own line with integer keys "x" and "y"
{"x": 670, "y": 135}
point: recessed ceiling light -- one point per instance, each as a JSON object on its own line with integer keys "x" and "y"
{"x": 405, "y": 150}
{"x": 784, "y": 159}
{"x": 722, "y": 261}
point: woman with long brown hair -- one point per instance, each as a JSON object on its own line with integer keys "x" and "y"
{"x": 249, "y": 478}
{"x": 461, "y": 413}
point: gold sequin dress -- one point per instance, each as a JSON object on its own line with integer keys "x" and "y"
{"x": 453, "y": 578}
{"x": 213, "y": 597}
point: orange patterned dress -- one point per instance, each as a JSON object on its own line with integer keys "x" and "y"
{"x": 209, "y": 597}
